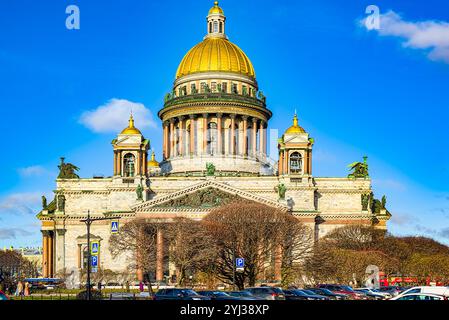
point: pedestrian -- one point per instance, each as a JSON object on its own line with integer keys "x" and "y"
{"x": 141, "y": 286}
{"x": 27, "y": 289}
{"x": 19, "y": 289}
{"x": 127, "y": 286}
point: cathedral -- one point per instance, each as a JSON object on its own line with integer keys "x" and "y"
{"x": 215, "y": 121}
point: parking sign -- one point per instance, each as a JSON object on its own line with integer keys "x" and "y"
{"x": 94, "y": 260}
{"x": 240, "y": 264}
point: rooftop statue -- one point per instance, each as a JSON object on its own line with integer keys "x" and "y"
{"x": 67, "y": 170}
{"x": 359, "y": 169}
{"x": 210, "y": 169}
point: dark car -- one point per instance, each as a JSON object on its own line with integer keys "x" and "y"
{"x": 342, "y": 289}
{"x": 217, "y": 295}
{"x": 178, "y": 294}
{"x": 328, "y": 293}
{"x": 242, "y": 295}
{"x": 294, "y": 295}
{"x": 267, "y": 293}
{"x": 94, "y": 295}
{"x": 3, "y": 296}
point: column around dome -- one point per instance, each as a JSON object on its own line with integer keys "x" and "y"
{"x": 192, "y": 134}
{"x": 181, "y": 136}
{"x": 219, "y": 133}
{"x": 205, "y": 119}
{"x": 172, "y": 138}
{"x": 254, "y": 137}
{"x": 232, "y": 116}
{"x": 245, "y": 135}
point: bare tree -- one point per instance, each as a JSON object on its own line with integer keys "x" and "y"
{"x": 191, "y": 248}
{"x": 137, "y": 239}
{"x": 254, "y": 232}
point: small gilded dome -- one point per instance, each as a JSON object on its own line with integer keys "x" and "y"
{"x": 153, "y": 163}
{"x": 215, "y": 54}
{"x": 216, "y": 9}
{"x": 295, "y": 128}
{"x": 131, "y": 128}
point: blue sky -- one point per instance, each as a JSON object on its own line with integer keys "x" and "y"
{"x": 381, "y": 93}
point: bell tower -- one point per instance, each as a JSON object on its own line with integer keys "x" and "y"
{"x": 131, "y": 154}
{"x": 295, "y": 152}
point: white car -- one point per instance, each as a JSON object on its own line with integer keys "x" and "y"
{"x": 441, "y": 291}
{"x": 419, "y": 296}
{"x": 375, "y": 292}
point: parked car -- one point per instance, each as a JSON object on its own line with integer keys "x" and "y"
{"x": 420, "y": 296}
{"x": 328, "y": 293}
{"x": 293, "y": 295}
{"x": 314, "y": 295}
{"x": 442, "y": 291}
{"x": 217, "y": 295}
{"x": 243, "y": 295}
{"x": 178, "y": 294}
{"x": 392, "y": 290}
{"x": 267, "y": 293}
{"x": 374, "y": 293}
{"x": 3, "y": 296}
{"x": 94, "y": 295}
{"x": 341, "y": 289}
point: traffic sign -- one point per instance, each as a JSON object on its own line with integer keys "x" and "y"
{"x": 94, "y": 260}
{"x": 240, "y": 264}
{"x": 114, "y": 227}
{"x": 94, "y": 248}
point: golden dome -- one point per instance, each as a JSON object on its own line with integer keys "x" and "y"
{"x": 215, "y": 54}
{"x": 153, "y": 163}
{"x": 131, "y": 128}
{"x": 295, "y": 128}
{"x": 216, "y": 9}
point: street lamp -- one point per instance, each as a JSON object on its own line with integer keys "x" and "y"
{"x": 88, "y": 222}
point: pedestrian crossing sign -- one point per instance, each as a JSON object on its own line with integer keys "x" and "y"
{"x": 94, "y": 248}
{"x": 114, "y": 227}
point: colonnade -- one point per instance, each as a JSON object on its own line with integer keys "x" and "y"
{"x": 214, "y": 134}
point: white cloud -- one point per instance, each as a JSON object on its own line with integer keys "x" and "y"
{"x": 13, "y": 233}
{"x": 431, "y": 36}
{"x": 113, "y": 116}
{"x": 21, "y": 203}
{"x": 32, "y": 171}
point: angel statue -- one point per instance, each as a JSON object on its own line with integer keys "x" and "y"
{"x": 281, "y": 189}
{"x": 67, "y": 170}
{"x": 210, "y": 169}
{"x": 139, "y": 192}
{"x": 359, "y": 169}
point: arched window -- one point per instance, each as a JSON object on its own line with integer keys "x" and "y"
{"x": 215, "y": 26}
{"x": 210, "y": 27}
{"x": 295, "y": 163}
{"x": 212, "y": 138}
{"x": 129, "y": 165}
{"x": 221, "y": 27}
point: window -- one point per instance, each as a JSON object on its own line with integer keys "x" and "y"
{"x": 215, "y": 26}
{"x": 221, "y": 27}
{"x": 234, "y": 88}
{"x": 129, "y": 165}
{"x": 244, "y": 90}
{"x": 193, "y": 88}
{"x": 224, "y": 87}
{"x": 203, "y": 87}
{"x": 210, "y": 27}
{"x": 213, "y": 86}
{"x": 295, "y": 163}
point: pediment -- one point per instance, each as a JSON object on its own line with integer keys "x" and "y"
{"x": 204, "y": 196}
